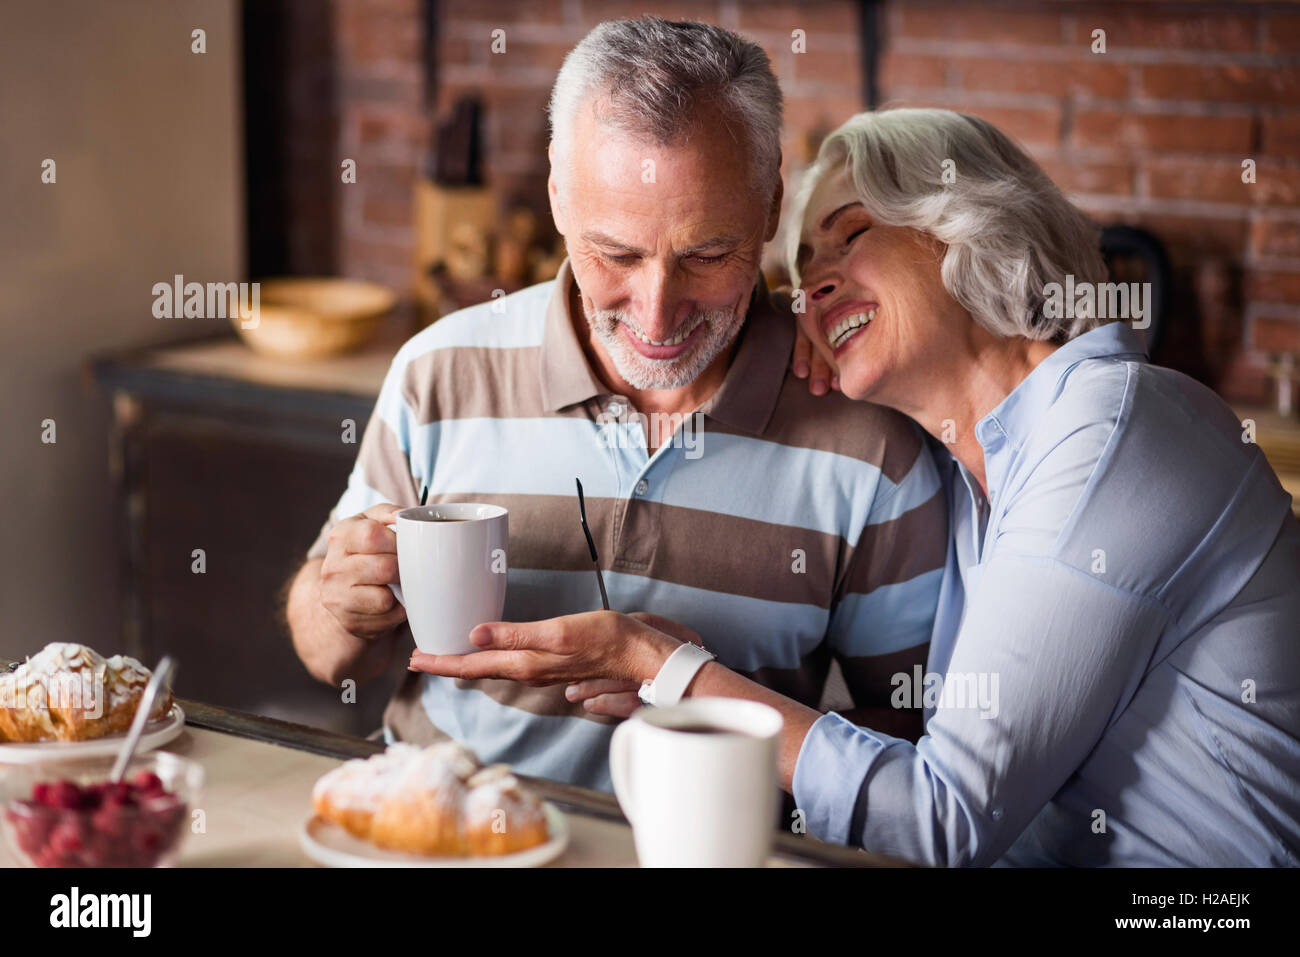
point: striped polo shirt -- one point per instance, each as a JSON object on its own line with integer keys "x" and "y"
{"x": 786, "y": 529}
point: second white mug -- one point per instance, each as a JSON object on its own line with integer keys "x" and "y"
{"x": 698, "y": 782}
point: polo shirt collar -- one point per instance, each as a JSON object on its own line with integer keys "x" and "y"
{"x": 747, "y": 396}
{"x": 749, "y": 393}
{"x": 567, "y": 379}
{"x": 1014, "y": 418}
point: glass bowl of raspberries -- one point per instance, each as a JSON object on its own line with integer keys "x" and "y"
{"x": 67, "y": 814}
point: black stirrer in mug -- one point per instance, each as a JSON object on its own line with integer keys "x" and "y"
{"x": 582, "y": 511}
{"x": 424, "y": 494}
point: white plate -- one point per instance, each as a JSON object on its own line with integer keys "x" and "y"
{"x": 156, "y": 734}
{"x": 327, "y": 843}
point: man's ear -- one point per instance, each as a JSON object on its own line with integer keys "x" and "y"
{"x": 553, "y": 194}
{"x": 774, "y": 213}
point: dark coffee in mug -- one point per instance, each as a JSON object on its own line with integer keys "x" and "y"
{"x": 704, "y": 729}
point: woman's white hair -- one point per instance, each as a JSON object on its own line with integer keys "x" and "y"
{"x": 1008, "y": 229}
{"x": 647, "y": 76}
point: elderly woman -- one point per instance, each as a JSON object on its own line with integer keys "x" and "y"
{"x": 1123, "y": 573}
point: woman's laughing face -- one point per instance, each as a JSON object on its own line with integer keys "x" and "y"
{"x": 874, "y": 301}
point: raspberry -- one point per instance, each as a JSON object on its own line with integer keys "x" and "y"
{"x": 118, "y": 795}
{"x": 65, "y": 839}
{"x": 109, "y": 821}
{"x": 148, "y": 782}
{"x": 64, "y": 795}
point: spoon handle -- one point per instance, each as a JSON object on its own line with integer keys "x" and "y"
{"x": 160, "y": 676}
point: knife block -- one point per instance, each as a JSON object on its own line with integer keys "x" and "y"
{"x": 438, "y": 211}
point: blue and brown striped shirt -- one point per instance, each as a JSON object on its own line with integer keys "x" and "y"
{"x": 788, "y": 530}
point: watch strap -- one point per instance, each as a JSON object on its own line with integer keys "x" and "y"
{"x": 675, "y": 675}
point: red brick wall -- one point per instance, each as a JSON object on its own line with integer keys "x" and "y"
{"x": 820, "y": 89}
{"x": 383, "y": 126}
{"x": 1151, "y": 133}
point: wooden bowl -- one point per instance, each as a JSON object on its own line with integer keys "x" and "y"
{"x": 308, "y": 318}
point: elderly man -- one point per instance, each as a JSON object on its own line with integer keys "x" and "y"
{"x": 787, "y": 531}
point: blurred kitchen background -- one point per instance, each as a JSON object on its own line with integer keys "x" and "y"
{"x": 190, "y": 470}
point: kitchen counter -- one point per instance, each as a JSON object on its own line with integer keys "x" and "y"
{"x": 257, "y": 795}
{"x": 1279, "y": 439}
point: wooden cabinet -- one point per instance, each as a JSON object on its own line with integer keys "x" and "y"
{"x": 225, "y": 465}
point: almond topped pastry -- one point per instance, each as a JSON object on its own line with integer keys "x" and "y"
{"x": 435, "y": 801}
{"x": 68, "y": 692}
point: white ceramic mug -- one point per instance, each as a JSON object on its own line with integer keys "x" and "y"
{"x": 699, "y": 799}
{"x": 451, "y": 559}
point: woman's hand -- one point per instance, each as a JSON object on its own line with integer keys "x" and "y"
{"x": 808, "y": 364}
{"x": 619, "y": 698}
{"x": 619, "y": 651}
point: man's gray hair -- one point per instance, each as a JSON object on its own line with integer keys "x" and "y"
{"x": 647, "y": 76}
{"x": 1008, "y": 229}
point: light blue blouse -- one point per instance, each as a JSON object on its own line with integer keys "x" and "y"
{"x": 1114, "y": 673}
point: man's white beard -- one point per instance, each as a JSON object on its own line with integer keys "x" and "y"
{"x": 717, "y": 327}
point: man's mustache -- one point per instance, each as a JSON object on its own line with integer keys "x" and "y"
{"x": 608, "y": 320}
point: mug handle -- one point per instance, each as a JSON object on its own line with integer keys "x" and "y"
{"x": 620, "y": 747}
{"x": 396, "y": 589}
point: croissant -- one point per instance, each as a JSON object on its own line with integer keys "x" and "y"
{"x": 432, "y": 801}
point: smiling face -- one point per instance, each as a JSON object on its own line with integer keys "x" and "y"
{"x": 876, "y": 305}
{"x": 664, "y": 243}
